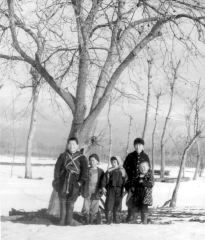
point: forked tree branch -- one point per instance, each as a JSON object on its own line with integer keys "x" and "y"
{"x": 155, "y": 32}
{"x": 67, "y": 96}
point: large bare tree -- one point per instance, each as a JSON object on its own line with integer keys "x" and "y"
{"x": 89, "y": 44}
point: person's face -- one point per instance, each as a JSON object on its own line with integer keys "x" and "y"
{"x": 139, "y": 147}
{"x": 114, "y": 163}
{"x": 72, "y": 146}
{"x": 144, "y": 167}
{"x": 93, "y": 162}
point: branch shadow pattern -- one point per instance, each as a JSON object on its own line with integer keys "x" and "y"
{"x": 156, "y": 216}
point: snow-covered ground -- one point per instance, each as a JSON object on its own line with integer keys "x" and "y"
{"x": 180, "y": 231}
{"x": 29, "y": 195}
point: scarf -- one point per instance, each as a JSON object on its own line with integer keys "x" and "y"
{"x": 71, "y": 168}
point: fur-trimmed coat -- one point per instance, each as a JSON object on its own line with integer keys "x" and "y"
{"x": 142, "y": 190}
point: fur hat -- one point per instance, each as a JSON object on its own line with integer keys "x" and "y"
{"x": 113, "y": 158}
{"x": 117, "y": 158}
{"x": 138, "y": 141}
{"x": 94, "y": 155}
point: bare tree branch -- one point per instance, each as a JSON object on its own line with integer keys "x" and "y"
{"x": 155, "y": 32}
{"x": 13, "y": 58}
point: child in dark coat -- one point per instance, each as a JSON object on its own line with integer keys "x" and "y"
{"x": 70, "y": 174}
{"x": 93, "y": 190}
{"x": 141, "y": 191}
{"x": 114, "y": 184}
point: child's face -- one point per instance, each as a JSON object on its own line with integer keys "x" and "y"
{"x": 93, "y": 162}
{"x": 72, "y": 146}
{"x": 114, "y": 163}
{"x": 139, "y": 148}
{"x": 144, "y": 167}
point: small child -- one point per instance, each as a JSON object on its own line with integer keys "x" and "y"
{"x": 114, "y": 184}
{"x": 93, "y": 190}
{"x": 142, "y": 191}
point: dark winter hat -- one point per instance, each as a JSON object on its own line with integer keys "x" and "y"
{"x": 72, "y": 139}
{"x": 94, "y": 155}
{"x": 138, "y": 141}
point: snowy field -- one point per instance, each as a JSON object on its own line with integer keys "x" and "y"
{"x": 30, "y": 195}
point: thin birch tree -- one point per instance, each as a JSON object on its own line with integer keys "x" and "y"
{"x": 162, "y": 143}
{"x": 128, "y": 135}
{"x": 33, "y": 120}
{"x": 149, "y": 82}
{"x": 158, "y": 95}
{"x": 182, "y": 164}
{"x": 110, "y": 132}
{"x": 197, "y": 119}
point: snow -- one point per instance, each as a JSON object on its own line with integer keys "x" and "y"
{"x": 21, "y": 159}
{"x": 30, "y": 195}
{"x": 190, "y": 231}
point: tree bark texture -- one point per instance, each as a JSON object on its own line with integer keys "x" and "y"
{"x": 33, "y": 121}
{"x": 198, "y": 161}
{"x": 172, "y": 87}
{"x": 153, "y": 132}
{"x": 148, "y": 97}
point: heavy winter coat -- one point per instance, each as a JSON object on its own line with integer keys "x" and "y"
{"x": 71, "y": 171}
{"x": 98, "y": 193}
{"x": 114, "y": 183}
{"x": 142, "y": 190}
{"x": 114, "y": 178}
{"x": 131, "y": 166}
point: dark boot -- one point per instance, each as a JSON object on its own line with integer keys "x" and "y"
{"x": 98, "y": 218}
{"x": 144, "y": 214}
{"x": 62, "y": 221}
{"x": 116, "y": 217}
{"x": 144, "y": 217}
{"x": 109, "y": 217}
{"x": 86, "y": 218}
{"x": 69, "y": 215}
{"x": 129, "y": 215}
{"x": 92, "y": 218}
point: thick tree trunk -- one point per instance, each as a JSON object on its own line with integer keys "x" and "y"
{"x": 32, "y": 128}
{"x": 183, "y": 161}
{"x": 196, "y": 173}
{"x": 82, "y": 132}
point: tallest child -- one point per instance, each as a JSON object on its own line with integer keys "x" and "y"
{"x": 70, "y": 175}
{"x": 132, "y": 167}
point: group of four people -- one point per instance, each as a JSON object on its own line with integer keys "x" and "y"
{"x": 74, "y": 175}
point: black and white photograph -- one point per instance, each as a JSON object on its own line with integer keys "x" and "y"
{"x": 102, "y": 119}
